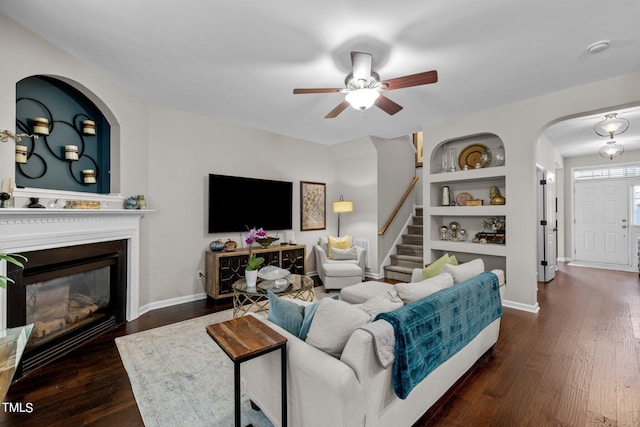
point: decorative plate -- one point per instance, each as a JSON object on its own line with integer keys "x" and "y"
{"x": 271, "y": 272}
{"x": 461, "y": 199}
{"x": 474, "y": 154}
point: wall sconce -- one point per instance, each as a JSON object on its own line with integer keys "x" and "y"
{"x": 342, "y": 206}
{"x": 40, "y": 126}
{"x": 71, "y": 152}
{"x": 89, "y": 176}
{"x": 5, "y": 134}
{"x": 88, "y": 127}
{"x": 21, "y": 153}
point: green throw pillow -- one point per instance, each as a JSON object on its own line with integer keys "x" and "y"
{"x": 435, "y": 267}
{"x": 286, "y": 314}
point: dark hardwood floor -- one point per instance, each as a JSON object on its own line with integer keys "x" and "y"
{"x": 575, "y": 363}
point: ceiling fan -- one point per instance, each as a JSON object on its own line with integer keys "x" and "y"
{"x": 363, "y": 87}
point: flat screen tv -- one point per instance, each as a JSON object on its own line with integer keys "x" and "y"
{"x": 236, "y": 203}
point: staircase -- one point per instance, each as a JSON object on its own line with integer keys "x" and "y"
{"x": 408, "y": 253}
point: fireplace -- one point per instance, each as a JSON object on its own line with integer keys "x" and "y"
{"x": 71, "y": 294}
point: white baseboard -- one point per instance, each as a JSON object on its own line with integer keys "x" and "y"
{"x": 522, "y": 307}
{"x": 169, "y": 302}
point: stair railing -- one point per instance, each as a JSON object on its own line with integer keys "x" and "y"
{"x": 398, "y": 206}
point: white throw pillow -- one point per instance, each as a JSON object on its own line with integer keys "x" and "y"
{"x": 344, "y": 254}
{"x": 465, "y": 271}
{"x": 383, "y": 303}
{"x": 333, "y": 324}
{"x": 410, "y": 292}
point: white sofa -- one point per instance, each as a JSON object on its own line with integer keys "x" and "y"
{"x": 354, "y": 390}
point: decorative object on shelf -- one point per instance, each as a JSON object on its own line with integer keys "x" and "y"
{"x": 141, "y": 203}
{"x": 230, "y": 245}
{"x": 253, "y": 234}
{"x": 88, "y": 127}
{"x": 496, "y": 197}
{"x": 474, "y": 156}
{"x": 451, "y": 159}
{"x": 461, "y": 199}
{"x": 342, "y": 206}
{"x": 266, "y": 241}
{"x": 498, "y": 156}
{"x": 291, "y": 237}
{"x": 463, "y": 234}
{"x": 34, "y": 202}
{"x": 5, "y": 134}
{"x": 88, "y": 176}
{"x": 21, "y": 154}
{"x": 494, "y": 224}
{"x": 313, "y": 204}
{"x": 443, "y": 232}
{"x": 454, "y": 227}
{"x": 130, "y": 203}
{"x": 4, "y": 197}
{"x": 81, "y": 204}
{"x": 40, "y": 126}
{"x": 474, "y": 202}
{"x": 446, "y": 197}
{"x": 216, "y": 245}
{"x": 70, "y": 152}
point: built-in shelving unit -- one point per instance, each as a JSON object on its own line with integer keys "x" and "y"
{"x": 447, "y": 171}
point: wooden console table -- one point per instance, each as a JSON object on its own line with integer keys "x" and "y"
{"x": 223, "y": 269}
{"x": 243, "y": 339}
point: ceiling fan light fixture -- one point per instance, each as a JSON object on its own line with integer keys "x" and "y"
{"x": 611, "y": 150}
{"x": 612, "y": 125}
{"x": 362, "y": 99}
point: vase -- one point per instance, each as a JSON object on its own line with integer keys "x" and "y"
{"x": 251, "y": 276}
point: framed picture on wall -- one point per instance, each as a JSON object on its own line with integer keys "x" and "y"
{"x": 313, "y": 206}
{"x": 417, "y": 143}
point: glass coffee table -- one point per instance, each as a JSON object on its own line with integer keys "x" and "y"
{"x": 254, "y": 300}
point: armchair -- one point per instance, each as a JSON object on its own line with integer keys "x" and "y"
{"x": 338, "y": 273}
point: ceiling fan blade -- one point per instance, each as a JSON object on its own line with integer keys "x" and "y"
{"x": 319, "y": 90}
{"x": 387, "y": 105}
{"x": 361, "y": 64}
{"x": 339, "y": 109}
{"x": 413, "y": 80}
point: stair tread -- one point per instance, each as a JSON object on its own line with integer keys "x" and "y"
{"x": 407, "y": 257}
{"x": 399, "y": 269}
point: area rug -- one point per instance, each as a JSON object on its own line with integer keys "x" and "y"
{"x": 181, "y": 377}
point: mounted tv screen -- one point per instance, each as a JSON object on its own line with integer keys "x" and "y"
{"x": 236, "y": 203}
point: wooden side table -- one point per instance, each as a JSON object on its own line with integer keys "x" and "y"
{"x": 243, "y": 339}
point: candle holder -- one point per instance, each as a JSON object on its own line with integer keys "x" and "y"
{"x": 88, "y": 127}
{"x": 40, "y": 126}
{"x": 89, "y": 176}
{"x": 71, "y": 152}
{"x": 21, "y": 153}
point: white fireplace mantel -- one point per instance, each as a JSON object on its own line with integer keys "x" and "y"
{"x": 24, "y": 230}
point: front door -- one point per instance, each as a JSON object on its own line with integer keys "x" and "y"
{"x": 601, "y": 221}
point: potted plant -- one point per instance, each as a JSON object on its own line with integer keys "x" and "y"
{"x": 13, "y": 259}
{"x": 251, "y": 270}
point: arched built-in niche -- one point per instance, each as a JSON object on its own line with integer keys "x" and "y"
{"x": 66, "y": 150}
{"x": 467, "y": 199}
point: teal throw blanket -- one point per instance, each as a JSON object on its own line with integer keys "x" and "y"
{"x": 431, "y": 330}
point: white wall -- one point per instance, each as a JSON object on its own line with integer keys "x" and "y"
{"x": 185, "y": 148}
{"x": 519, "y": 125}
{"x": 396, "y": 169}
